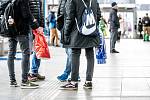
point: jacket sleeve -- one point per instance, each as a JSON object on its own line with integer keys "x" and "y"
{"x": 98, "y": 13}
{"x": 60, "y": 16}
{"x": 26, "y": 14}
{"x": 70, "y": 17}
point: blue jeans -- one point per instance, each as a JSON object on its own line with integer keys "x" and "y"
{"x": 35, "y": 64}
{"x": 25, "y": 64}
{"x": 68, "y": 64}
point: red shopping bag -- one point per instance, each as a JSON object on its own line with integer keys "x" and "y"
{"x": 40, "y": 44}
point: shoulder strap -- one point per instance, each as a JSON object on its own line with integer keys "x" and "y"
{"x": 13, "y": 1}
{"x": 85, "y": 3}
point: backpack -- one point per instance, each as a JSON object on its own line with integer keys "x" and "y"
{"x": 146, "y": 20}
{"x": 88, "y": 26}
{"x": 7, "y": 10}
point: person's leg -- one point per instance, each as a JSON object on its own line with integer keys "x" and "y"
{"x": 90, "y": 63}
{"x": 35, "y": 64}
{"x": 113, "y": 40}
{"x": 24, "y": 46}
{"x": 56, "y": 37}
{"x": 52, "y": 36}
{"x": 75, "y": 64}
{"x": 35, "y": 68}
{"x": 73, "y": 85}
{"x": 67, "y": 70}
{"x": 11, "y": 56}
{"x": 68, "y": 64}
{"x": 90, "y": 67}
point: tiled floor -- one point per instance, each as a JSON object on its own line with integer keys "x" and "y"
{"x": 125, "y": 76}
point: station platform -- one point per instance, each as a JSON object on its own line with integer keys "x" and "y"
{"x": 125, "y": 76}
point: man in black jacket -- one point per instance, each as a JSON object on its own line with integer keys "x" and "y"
{"x": 60, "y": 27}
{"x": 23, "y": 20}
{"x": 37, "y": 11}
{"x": 114, "y": 25}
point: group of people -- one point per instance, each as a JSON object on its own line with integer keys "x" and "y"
{"x": 28, "y": 17}
{"x": 144, "y": 25}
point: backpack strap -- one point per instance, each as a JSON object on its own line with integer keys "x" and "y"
{"x": 85, "y": 3}
{"x": 13, "y": 1}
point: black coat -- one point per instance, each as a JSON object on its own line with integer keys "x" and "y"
{"x": 60, "y": 15}
{"x": 37, "y": 11}
{"x": 140, "y": 26}
{"x": 74, "y": 9}
{"x": 23, "y": 17}
{"x": 114, "y": 20}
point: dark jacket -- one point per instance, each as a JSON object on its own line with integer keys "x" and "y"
{"x": 140, "y": 26}
{"x": 37, "y": 11}
{"x": 23, "y": 17}
{"x": 146, "y": 21}
{"x": 74, "y": 9}
{"x": 114, "y": 20}
{"x": 61, "y": 14}
{"x": 60, "y": 18}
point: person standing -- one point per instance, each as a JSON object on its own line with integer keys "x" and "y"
{"x": 60, "y": 27}
{"x": 77, "y": 41}
{"x": 23, "y": 20}
{"x": 53, "y": 31}
{"x": 140, "y": 27}
{"x": 37, "y": 11}
{"x": 146, "y": 23}
{"x": 114, "y": 26}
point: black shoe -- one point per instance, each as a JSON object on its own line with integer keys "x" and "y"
{"x": 114, "y": 51}
{"x": 29, "y": 85}
{"x": 13, "y": 83}
{"x": 87, "y": 85}
{"x": 69, "y": 86}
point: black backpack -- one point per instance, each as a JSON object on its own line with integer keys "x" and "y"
{"x": 6, "y": 10}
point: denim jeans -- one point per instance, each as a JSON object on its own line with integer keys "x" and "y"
{"x": 68, "y": 64}
{"x": 25, "y": 64}
{"x": 35, "y": 64}
{"x": 76, "y": 63}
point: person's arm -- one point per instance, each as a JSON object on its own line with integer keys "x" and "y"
{"x": 26, "y": 14}
{"x": 70, "y": 17}
{"x": 98, "y": 13}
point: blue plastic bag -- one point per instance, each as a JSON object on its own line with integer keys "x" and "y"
{"x": 101, "y": 50}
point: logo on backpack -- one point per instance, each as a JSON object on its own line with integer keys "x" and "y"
{"x": 7, "y": 25}
{"x": 88, "y": 26}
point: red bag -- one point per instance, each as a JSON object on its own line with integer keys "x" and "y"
{"x": 40, "y": 44}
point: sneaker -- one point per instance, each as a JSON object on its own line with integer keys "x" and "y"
{"x": 69, "y": 86}
{"x": 32, "y": 78}
{"x": 13, "y": 83}
{"x": 87, "y": 85}
{"x": 63, "y": 77}
{"x": 40, "y": 77}
{"x": 29, "y": 85}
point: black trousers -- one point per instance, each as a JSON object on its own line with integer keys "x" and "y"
{"x": 76, "y": 63}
